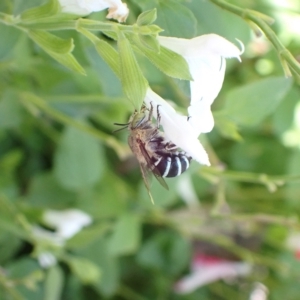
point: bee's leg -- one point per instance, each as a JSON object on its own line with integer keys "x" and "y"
{"x": 158, "y": 116}
{"x": 150, "y": 112}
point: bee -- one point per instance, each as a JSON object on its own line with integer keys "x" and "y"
{"x": 153, "y": 152}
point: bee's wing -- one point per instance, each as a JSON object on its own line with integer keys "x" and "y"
{"x": 151, "y": 167}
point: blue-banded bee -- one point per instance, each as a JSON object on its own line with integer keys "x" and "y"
{"x": 153, "y": 152}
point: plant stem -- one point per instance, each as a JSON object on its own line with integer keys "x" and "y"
{"x": 263, "y": 21}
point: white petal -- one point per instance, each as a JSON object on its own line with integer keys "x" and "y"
{"x": 205, "y": 56}
{"x": 47, "y": 235}
{"x": 119, "y": 12}
{"x": 211, "y": 273}
{"x": 201, "y": 45}
{"x": 73, "y": 7}
{"x": 177, "y": 128}
{"x": 68, "y": 222}
{"x": 117, "y": 9}
{"x": 46, "y": 259}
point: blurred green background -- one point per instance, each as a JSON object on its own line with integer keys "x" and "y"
{"x": 57, "y": 151}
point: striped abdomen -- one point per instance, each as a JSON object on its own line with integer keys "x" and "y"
{"x": 172, "y": 165}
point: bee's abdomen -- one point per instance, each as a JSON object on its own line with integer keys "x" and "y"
{"x": 172, "y": 165}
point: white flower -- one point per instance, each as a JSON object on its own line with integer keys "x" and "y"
{"x": 116, "y": 8}
{"x": 46, "y": 259}
{"x": 47, "y": 236}
{"x": 68, "y": 222}
{"x": 206, "y": 270}
{"x": 205, "y": 56}
{"x": 260, "y": 292}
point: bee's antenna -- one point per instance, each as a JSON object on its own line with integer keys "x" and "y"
{"x": 120, "y": 124}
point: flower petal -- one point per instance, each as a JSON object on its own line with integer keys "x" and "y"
{"x": 211, "y": 273}
{"x": 117, "y": 9}
{"x": 118, "y": 12}
{"x": 177, "y": 128}
{"x": 68, "y": 222}
{"x": 205, "y": 56}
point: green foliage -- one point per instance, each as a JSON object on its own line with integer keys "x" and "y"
{"x": 58, "y": 152}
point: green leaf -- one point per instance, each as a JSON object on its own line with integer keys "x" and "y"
{"x": 282, "y": 120}
{"x": 45, "y": 192}
{"x": 57, "y": 48}
{"x": 87, "y": 236}
{"x": 169, "y": 62}
{"x": 99, "y": 254}
{"x": 214, "y": 19}
{"x": 133, "y": 81}
{"x": 126, "y": 236}
{"x": 78, "y": 163}
{"x": 51, "y": 42}
{"x": 176, "y": 19}
{"x": 10, "y": 110}
{"x": 250, "y": 104}
{"x": 166, "y": 252}
{"x": 54, "y": 283}
{"x": 48, "y": 9}
{"x": 147, "y": 17}
{"x": 150, "y": 42}
{"x": 11, "y": 36}
{"x": 110, "y": 55}
{"x": 87, "y": 271}
{"x": 69, "y": 61}
{"x": 226, "y": 127}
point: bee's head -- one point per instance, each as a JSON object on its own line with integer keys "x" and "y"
{"x": 138, "y": 118}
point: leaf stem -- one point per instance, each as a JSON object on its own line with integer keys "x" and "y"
{"x": 263, "y": 21}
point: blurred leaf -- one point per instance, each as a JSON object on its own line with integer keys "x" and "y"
{"x": 176, "y": 19}
{"x": 29, "y": 275}
{"x": 250, "y": 104}
{"x": 282, "y": 118}
{"x": 126, "y": 236}
{"x": 165, "y": 252}
{"x": 88, "y": 235}
{"x": 78, "y": 162}
{"x": 213, "y": 19}
{"x": 292, "y": 189}
{"x": 54, "y": 283}
{"x": 108, "y": 198}
{"x": 226, "y": 127}
{"x": 45, "y": 192}
{"x": 50, "y": 42}
{"x": 258, "y": 154}
{"x": 11, "y": 36}
{"x": 147, "y": 17}
{"x": 10, "y": 110}
{"x": 51, "y": 7}
{"x": 173, "y": 17}
{"x": 84, "y": 269}
{"x": 98, "y": 253}
{"x": 133, "y": 81}
{"x": 8, "y": 250}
